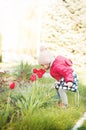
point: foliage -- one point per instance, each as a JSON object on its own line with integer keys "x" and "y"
{"x": 21, "y": 100}
{"x": 3, "y": 78}
{"x": 33, "y": 106}
{"x": 22, "y": 71}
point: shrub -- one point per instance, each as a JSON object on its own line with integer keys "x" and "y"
{"x": 22, "y": 71}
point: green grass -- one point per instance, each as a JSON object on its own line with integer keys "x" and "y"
{"x": 46, "y": 119}
{"x": 34, "y": 107}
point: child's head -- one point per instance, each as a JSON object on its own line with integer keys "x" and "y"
{"x": 45, "y": 57}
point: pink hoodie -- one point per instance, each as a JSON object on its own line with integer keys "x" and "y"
{"x": 62, "y": 67}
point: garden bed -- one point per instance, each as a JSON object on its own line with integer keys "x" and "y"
{"x": 33, "y": 105}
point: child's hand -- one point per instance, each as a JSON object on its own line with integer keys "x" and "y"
{"x": 69, "y": 84}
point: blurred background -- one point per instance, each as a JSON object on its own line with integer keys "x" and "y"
{"x": 27, "y": 24}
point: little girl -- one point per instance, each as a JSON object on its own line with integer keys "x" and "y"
{"x": 60, "y": 69}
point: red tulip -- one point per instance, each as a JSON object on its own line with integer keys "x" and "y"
{"x": 12, "y": 85}
{"x": 33, "y": 77}
{"x": 40, "y": 73}
{"x": 35, "y": 70}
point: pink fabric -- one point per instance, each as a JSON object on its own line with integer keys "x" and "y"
{"x": 62, "y": 67}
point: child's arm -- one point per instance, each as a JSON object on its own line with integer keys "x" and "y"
{"x": 65, "y": 72}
